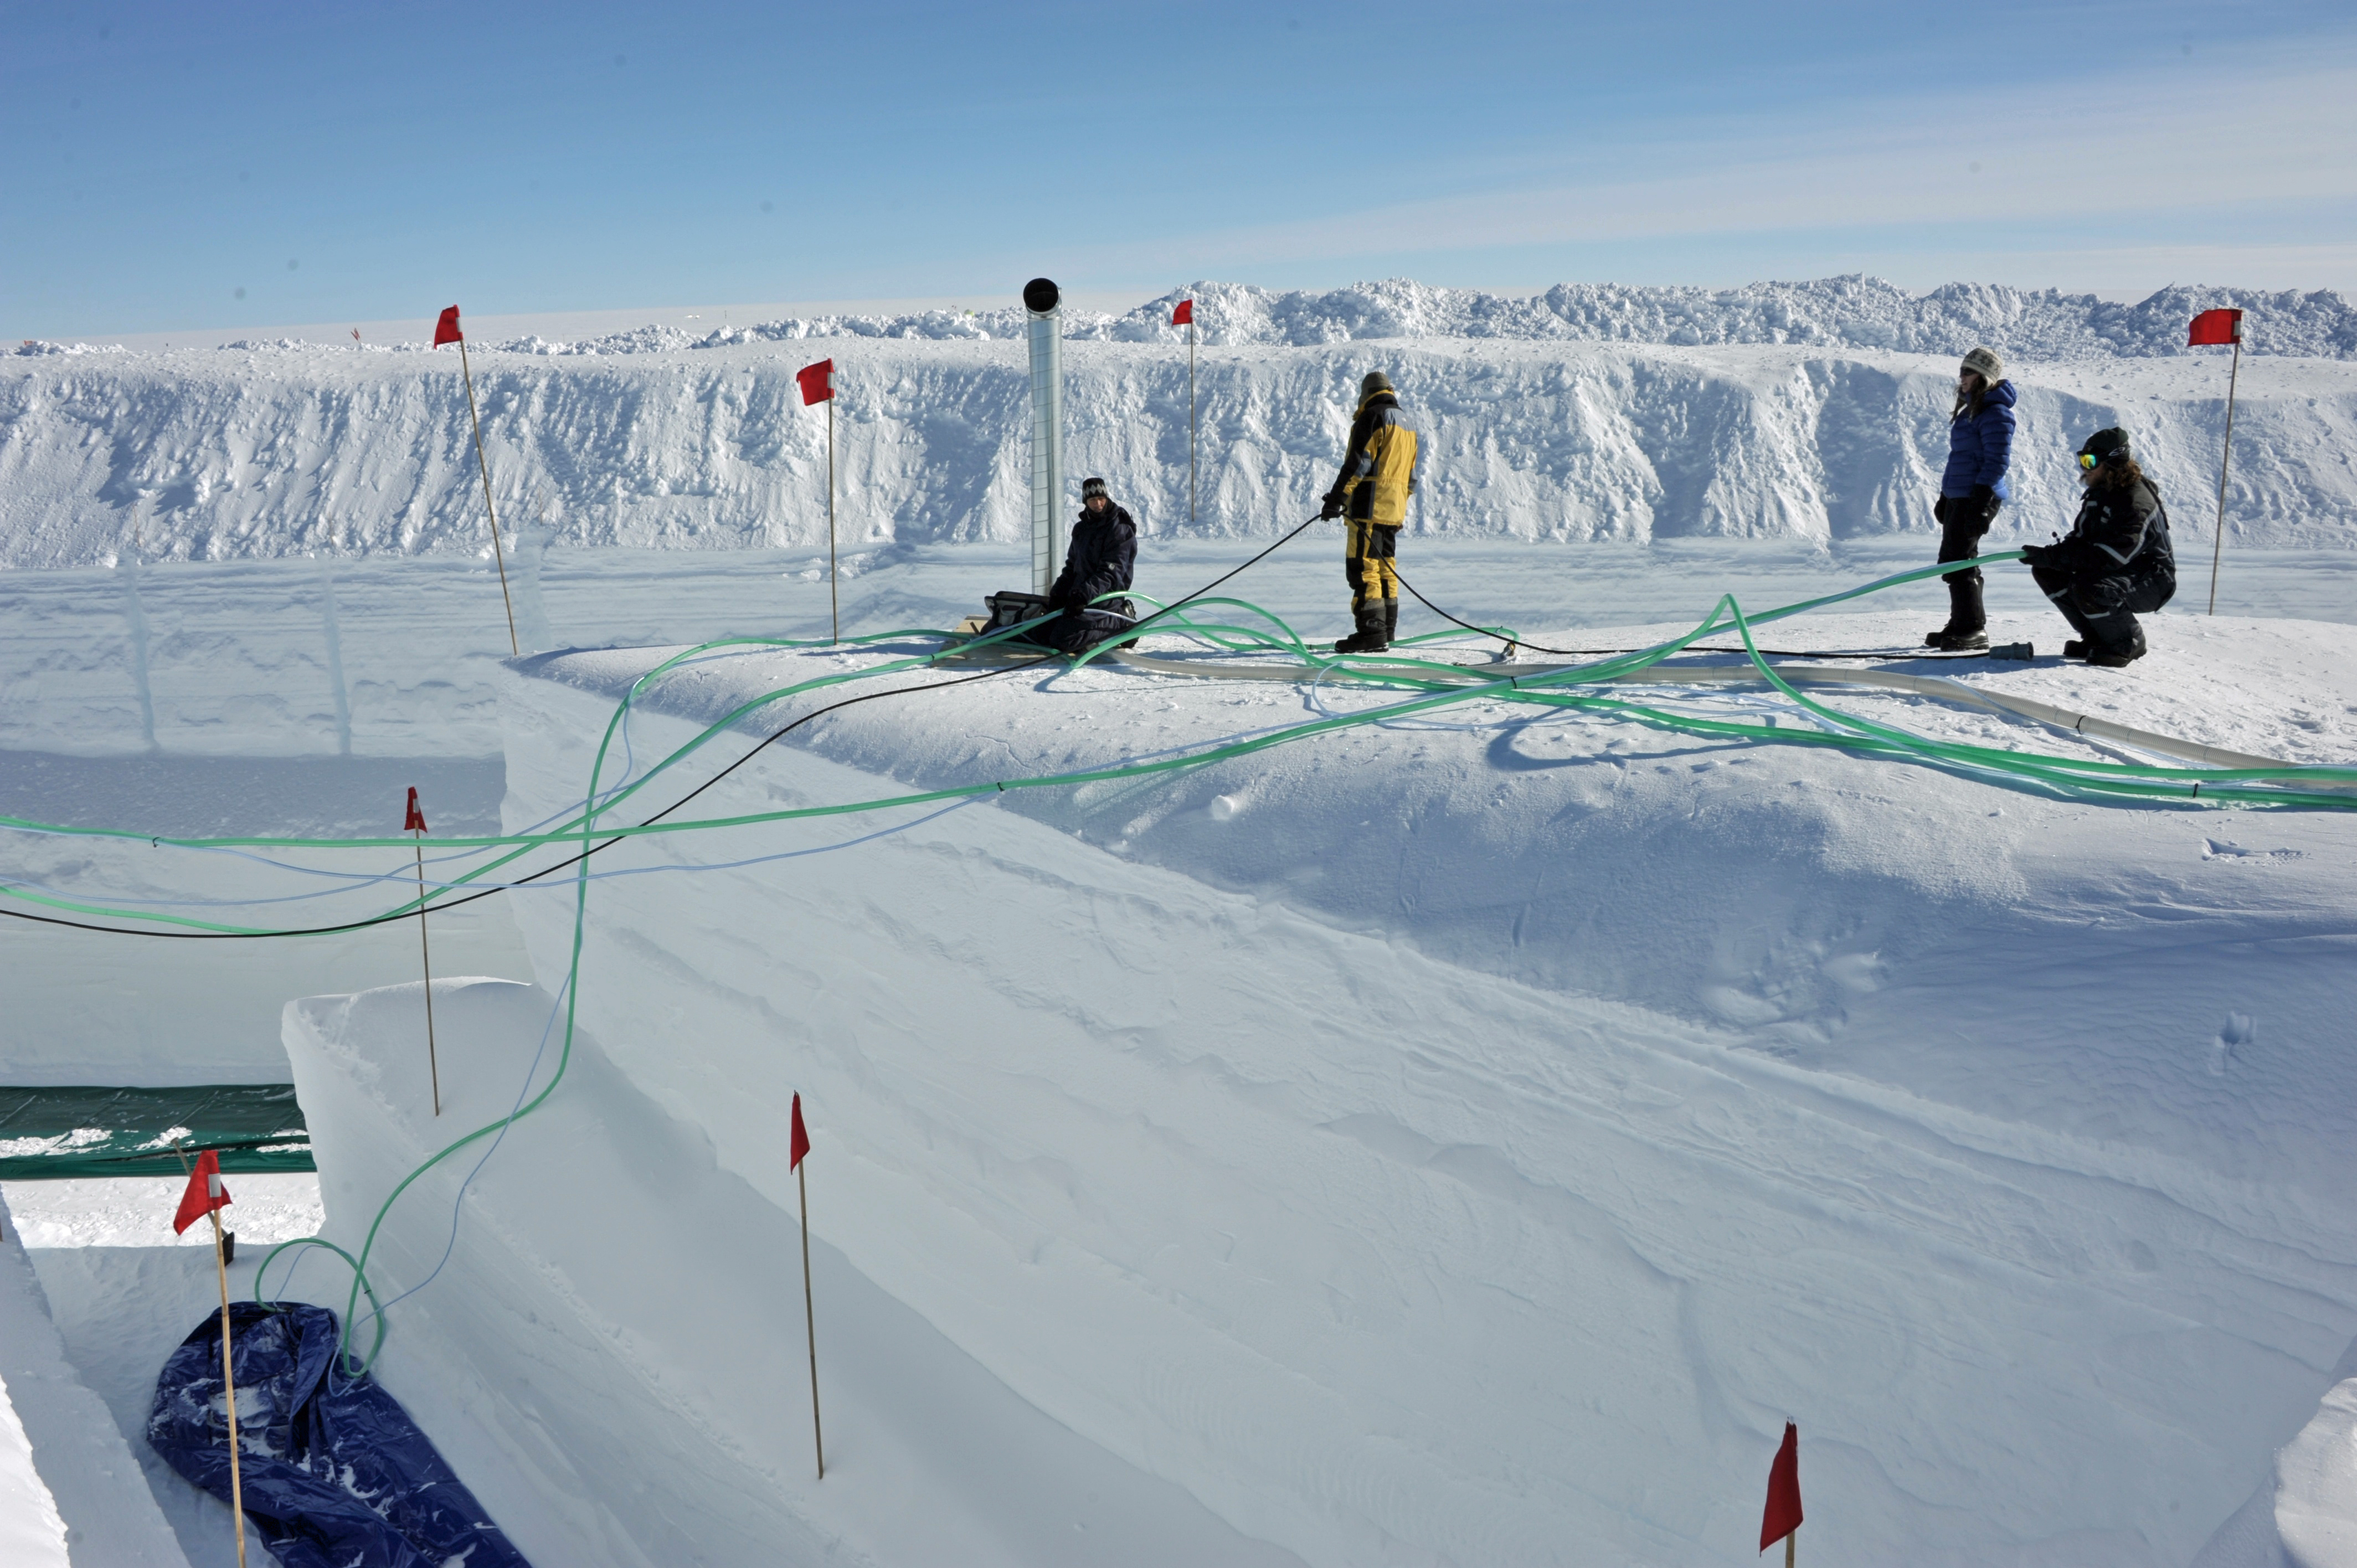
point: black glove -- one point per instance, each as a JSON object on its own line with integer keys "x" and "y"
{"x": 1940, "y": 511}
{"x": 2039, "y": 554}
{"x": 1332, "y": 506}
{"x": 1981, "y": 504}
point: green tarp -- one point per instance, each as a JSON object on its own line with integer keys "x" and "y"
{"x": 52, "y": 1133}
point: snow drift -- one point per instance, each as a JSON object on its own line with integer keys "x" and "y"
{"x": 1635, "y": 416}
{"x": 1457, "y": 1144}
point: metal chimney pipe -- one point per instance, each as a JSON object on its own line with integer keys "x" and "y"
{"x": 1045, "y": 303}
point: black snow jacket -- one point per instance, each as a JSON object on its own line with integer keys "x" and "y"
{"x": 1102, "y": 559}
{"x": 2122, "y": 530}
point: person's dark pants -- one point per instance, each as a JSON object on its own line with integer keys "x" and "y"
{"x": 2103, "y": 610}
{"x": 1077, "y": 631}
{"x": 1961, "y": 526}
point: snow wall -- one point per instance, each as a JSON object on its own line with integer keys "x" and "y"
{"x": 1815, "y": 411}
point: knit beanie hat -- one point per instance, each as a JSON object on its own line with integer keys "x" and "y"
{"x": 2107, "y": 445}
{"x": 1985, "y": 363}
{"x": 1092, "y": 487}
{"x": 1374, "y": 381}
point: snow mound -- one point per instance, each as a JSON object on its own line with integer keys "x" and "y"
{"x": 1854, "y": 312}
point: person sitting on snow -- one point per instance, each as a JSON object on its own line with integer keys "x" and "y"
{"x": 1102, "y": 559}
{"x": 2117, "y": 561}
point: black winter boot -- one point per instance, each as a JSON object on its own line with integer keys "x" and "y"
{"x": 1370, "y": 637}
{"x": 1391, "y": 621}
{"x": 1967, "y": 625}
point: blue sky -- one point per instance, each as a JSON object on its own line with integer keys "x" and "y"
{"x": 366, "y": 162}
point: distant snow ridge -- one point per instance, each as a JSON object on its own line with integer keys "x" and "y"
{"x": 1852, "y": 312}
{"x": 1856, "y": 312}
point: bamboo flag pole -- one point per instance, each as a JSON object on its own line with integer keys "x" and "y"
{"x": 2218, "y": 545}
{"x": 204, "y": 1194}
{"x": 229, "y": 1381}
{"x": 817, "y": 382}
{"x": 833, "y": 598}
{"x": 446, "y": 331}
{"x": 415, "y": 824}
{"x": 1186, "y": 313}
{"x": 797, "y": 1146}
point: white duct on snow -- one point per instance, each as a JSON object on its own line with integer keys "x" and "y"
{"x": 1045, "y": 303}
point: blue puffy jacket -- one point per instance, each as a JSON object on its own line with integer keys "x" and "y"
{"x": 1980, "y": 445}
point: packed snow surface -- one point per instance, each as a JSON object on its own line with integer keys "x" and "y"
{"x": 1450, "y": 1141}
{"x": 1808, "y": 412}
{"x": 1423, "y": 1143}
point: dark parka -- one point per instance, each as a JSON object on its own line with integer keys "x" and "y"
{"x": 1980, "y": 447}
{"x": 2116, "y": 565}
{"x": 1102, "y": 560}
{"x": 2122, "y": 530}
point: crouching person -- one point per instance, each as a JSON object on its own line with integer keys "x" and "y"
{"x": 2116, "y": 563}
{"x": 1102, "y": 559}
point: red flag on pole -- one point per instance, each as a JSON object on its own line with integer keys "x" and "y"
{"x": 1184, "y": 314}
{"x": 798, "y": 1142}
{"x": 2215, "y": 326}
{"x": 414, "y": 822}
{"x": 818, "y": 382}
{"x": 205, "y": 1192}
{"x": 1783, "y": 1514}
{"x": 447, "y": 330}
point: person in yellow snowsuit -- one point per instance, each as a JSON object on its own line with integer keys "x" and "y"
{"x": 1378, "y": 475}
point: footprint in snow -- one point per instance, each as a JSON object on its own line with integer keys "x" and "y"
{"x": 2240, "y": 1029}
{"x": 2218, "y": 849}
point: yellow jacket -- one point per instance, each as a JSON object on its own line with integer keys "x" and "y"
{"x": 1379, "y": 471}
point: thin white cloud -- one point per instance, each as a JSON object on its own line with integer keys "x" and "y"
{"x": 2148, "y": 144}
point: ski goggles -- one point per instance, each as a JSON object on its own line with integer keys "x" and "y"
{"x": 2089, "y": 460}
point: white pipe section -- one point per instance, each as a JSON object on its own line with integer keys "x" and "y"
{"x": 1044, "y": 303}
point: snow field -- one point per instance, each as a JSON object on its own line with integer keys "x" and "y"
{"x": 1436, "y": 1144}
{"x": 2003, "y": 1050}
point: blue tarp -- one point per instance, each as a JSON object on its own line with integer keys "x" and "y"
{"x": 336, "y": 1475}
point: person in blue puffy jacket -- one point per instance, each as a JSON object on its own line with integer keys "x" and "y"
{"x": 1980, "y": 449}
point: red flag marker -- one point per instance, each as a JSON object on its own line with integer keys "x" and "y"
{"x": 447, "y": 330}
{"x": 205, "y": 1193}
{"x": 2215, "y": 326}
{"x": 1782, "y": 1520}
{"x": 818, "y": 386}
{"x": 204, "y": 1200}
{"x": 1185, "y": 314}
{"x": 414, "y": 822}
{"x": 797, "y": 1145}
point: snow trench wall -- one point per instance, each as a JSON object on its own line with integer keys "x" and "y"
{"x": 245, "y": 452}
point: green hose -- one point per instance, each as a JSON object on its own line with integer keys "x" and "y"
{"x": 1572, "y": 687}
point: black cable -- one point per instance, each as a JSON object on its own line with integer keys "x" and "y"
{"x": 1135, "y": 627}
{"x": 546, "y": 870}
{"x": 1582, "y": 652}
{"x": 593, "y": 849}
